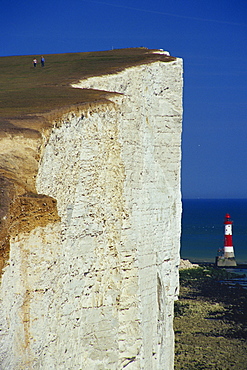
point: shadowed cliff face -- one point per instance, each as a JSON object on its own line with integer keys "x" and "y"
{"x": 22, "y": 141}
{"x": 20, "y": 206}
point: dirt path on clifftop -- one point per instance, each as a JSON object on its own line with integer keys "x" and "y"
{"x": 210, "y": 322}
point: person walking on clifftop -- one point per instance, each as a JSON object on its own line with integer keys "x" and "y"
{"x": 35, "y": 62}
{"x": 42, "y": 61}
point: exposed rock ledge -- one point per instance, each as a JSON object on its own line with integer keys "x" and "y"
{"x": 93, "y": 285}
{"x": 186, "y": 264}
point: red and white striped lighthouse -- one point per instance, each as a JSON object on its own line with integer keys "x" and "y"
{"x": 228, "y": 245}
{"x": 227, "y": 259}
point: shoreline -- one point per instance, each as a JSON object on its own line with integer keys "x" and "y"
{"x": 212, "y": 264}
{"x": 210, "y": 321}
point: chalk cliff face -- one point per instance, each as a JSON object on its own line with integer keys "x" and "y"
{"x": 94, "y": 288}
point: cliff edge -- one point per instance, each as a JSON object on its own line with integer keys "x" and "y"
{"x": 90, "y": 216}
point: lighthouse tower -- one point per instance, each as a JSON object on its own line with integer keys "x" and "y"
{"x": 227, "y": 258}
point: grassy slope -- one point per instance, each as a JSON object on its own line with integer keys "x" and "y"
{"x": 27, "y": 90}
{"x": 210, "y": 322}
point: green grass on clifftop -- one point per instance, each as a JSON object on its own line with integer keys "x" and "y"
{"x": 27, "y": 90}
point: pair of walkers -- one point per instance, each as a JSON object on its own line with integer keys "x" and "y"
{"x": 42, "y": 62}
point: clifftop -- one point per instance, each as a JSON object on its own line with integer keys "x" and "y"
{"x": 27, "y": 90}
{"x": 31, "y": 100}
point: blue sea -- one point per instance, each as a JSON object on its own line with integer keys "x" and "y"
{"x": 203, "y": 228}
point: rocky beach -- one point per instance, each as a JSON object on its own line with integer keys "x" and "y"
{"x": 210, "y": 321}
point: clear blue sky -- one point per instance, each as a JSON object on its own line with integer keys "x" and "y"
{"x": 211, "y": 37}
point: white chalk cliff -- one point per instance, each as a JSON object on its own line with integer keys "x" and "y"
{"x": 95, "y": 289}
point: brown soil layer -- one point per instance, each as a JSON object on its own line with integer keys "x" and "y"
{"x": 210, "y": 322}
